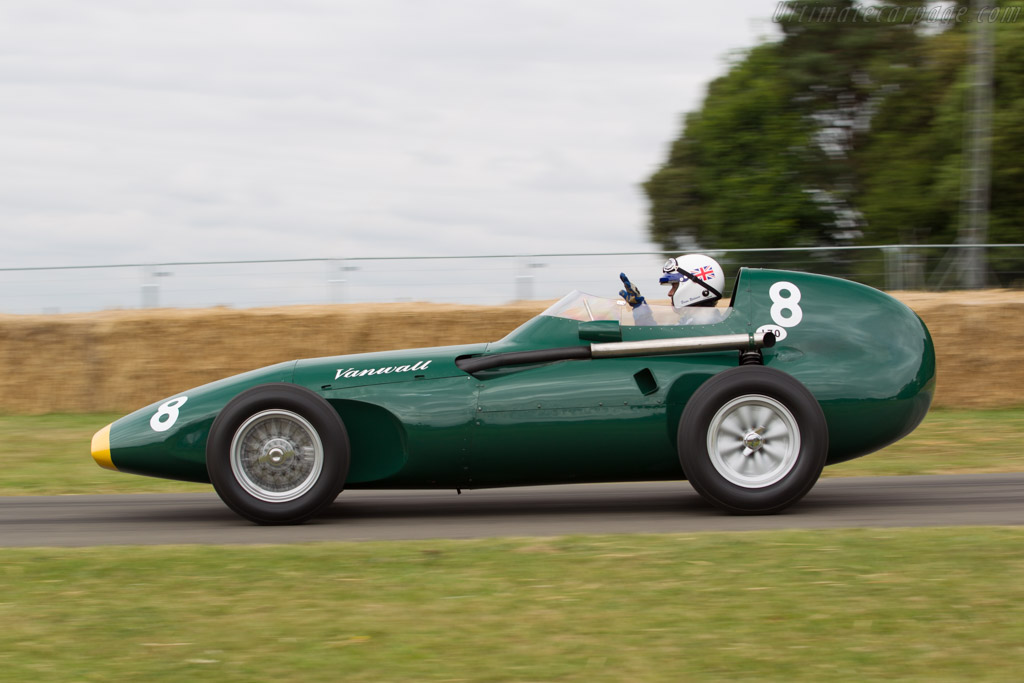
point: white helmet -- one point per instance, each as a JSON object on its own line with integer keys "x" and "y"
{"x": 695, "y": 279}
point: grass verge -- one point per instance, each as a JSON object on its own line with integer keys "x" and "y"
{"x": 948, "y": 442}
{"x": 836, "y": 605}
{"x": 50, "y": 454}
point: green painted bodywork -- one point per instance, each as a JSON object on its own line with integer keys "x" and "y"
{"x": 866, "y": 357}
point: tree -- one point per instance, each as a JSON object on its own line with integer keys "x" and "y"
{"x": 841, "y": 132}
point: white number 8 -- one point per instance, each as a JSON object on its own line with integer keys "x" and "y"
{"x": 170, "y": 409}
{"x": 786, "y": 310}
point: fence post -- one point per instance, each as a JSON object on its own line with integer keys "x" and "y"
{"x": 335, "y": 285}
{"x": 524, "y": 283}
{"x": 151, "y": 286}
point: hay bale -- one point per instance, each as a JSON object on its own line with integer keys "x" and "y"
{"x": 122, "y": 360}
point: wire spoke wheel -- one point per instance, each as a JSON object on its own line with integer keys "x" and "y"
{"x": 276, "y": 456}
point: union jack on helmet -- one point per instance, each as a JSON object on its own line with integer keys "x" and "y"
{"x": 695, "y": 280}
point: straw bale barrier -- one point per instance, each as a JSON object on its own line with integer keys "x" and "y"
{"x": 122, "y": 360}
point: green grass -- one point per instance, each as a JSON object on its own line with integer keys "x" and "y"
{"x": 836, "y": 605}
{"x": 50, "y": 454}
{"x": 949, "y": 442}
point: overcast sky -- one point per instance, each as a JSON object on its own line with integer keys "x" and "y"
{"x": 136, "y": 131}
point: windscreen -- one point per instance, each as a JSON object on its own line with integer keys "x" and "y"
{"x": 580, "y": 306}
{"x": 577, "y": 305}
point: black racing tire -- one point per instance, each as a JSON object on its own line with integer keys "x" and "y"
{"x": 277, "y": 454}
{"x": 752, "y": 440}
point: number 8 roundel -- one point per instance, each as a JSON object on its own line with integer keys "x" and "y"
{"x": 786, "y": 309}
{"x": 167, "y": 414}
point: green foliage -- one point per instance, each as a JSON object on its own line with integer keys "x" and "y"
{"x": 843, "y": 132}
{"x": 745, "y": 160}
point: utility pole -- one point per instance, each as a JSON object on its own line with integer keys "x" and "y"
{"x": 978, "y": 152}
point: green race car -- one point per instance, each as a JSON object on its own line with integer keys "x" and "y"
{"x": 747, "y": 402}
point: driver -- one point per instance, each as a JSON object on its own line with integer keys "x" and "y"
{"x": 693, "y": 280}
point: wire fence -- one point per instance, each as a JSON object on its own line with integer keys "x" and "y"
{"x": 463, "y": 279}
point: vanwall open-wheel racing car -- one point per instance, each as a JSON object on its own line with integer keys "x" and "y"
{"x": 747, "y": 402}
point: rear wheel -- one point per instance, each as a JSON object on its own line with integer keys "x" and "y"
{"x": 752, "y": 440}
{"x": 277, "y": 454}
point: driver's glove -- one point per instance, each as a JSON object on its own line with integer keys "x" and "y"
{"x": 631, "y": 294}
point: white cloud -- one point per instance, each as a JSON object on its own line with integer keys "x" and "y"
{"x": 145, "y": 131}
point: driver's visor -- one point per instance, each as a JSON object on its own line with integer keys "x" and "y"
{"x": 670, "y": 279}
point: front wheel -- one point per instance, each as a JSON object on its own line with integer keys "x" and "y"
{"x": 277, "y": 454}
{"x": 752, "y": 440}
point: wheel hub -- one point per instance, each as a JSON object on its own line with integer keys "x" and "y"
{"x": 753, "y": 441}
{"x": 277, "y": 452}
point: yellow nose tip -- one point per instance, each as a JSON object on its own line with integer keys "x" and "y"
{"x": 101, "y": 448}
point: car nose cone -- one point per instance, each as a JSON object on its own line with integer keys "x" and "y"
{"x": 101, "y": 448}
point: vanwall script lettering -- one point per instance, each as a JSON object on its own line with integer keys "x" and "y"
{"x": 355, "y": 372}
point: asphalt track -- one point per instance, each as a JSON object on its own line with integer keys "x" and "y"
{"x": 157, "y": 519}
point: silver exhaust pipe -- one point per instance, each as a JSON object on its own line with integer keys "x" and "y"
{"x": 660, "y": 347}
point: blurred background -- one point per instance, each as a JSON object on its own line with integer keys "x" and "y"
{"x": 258, "y": 154}
{"x": 484, "y": 280}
